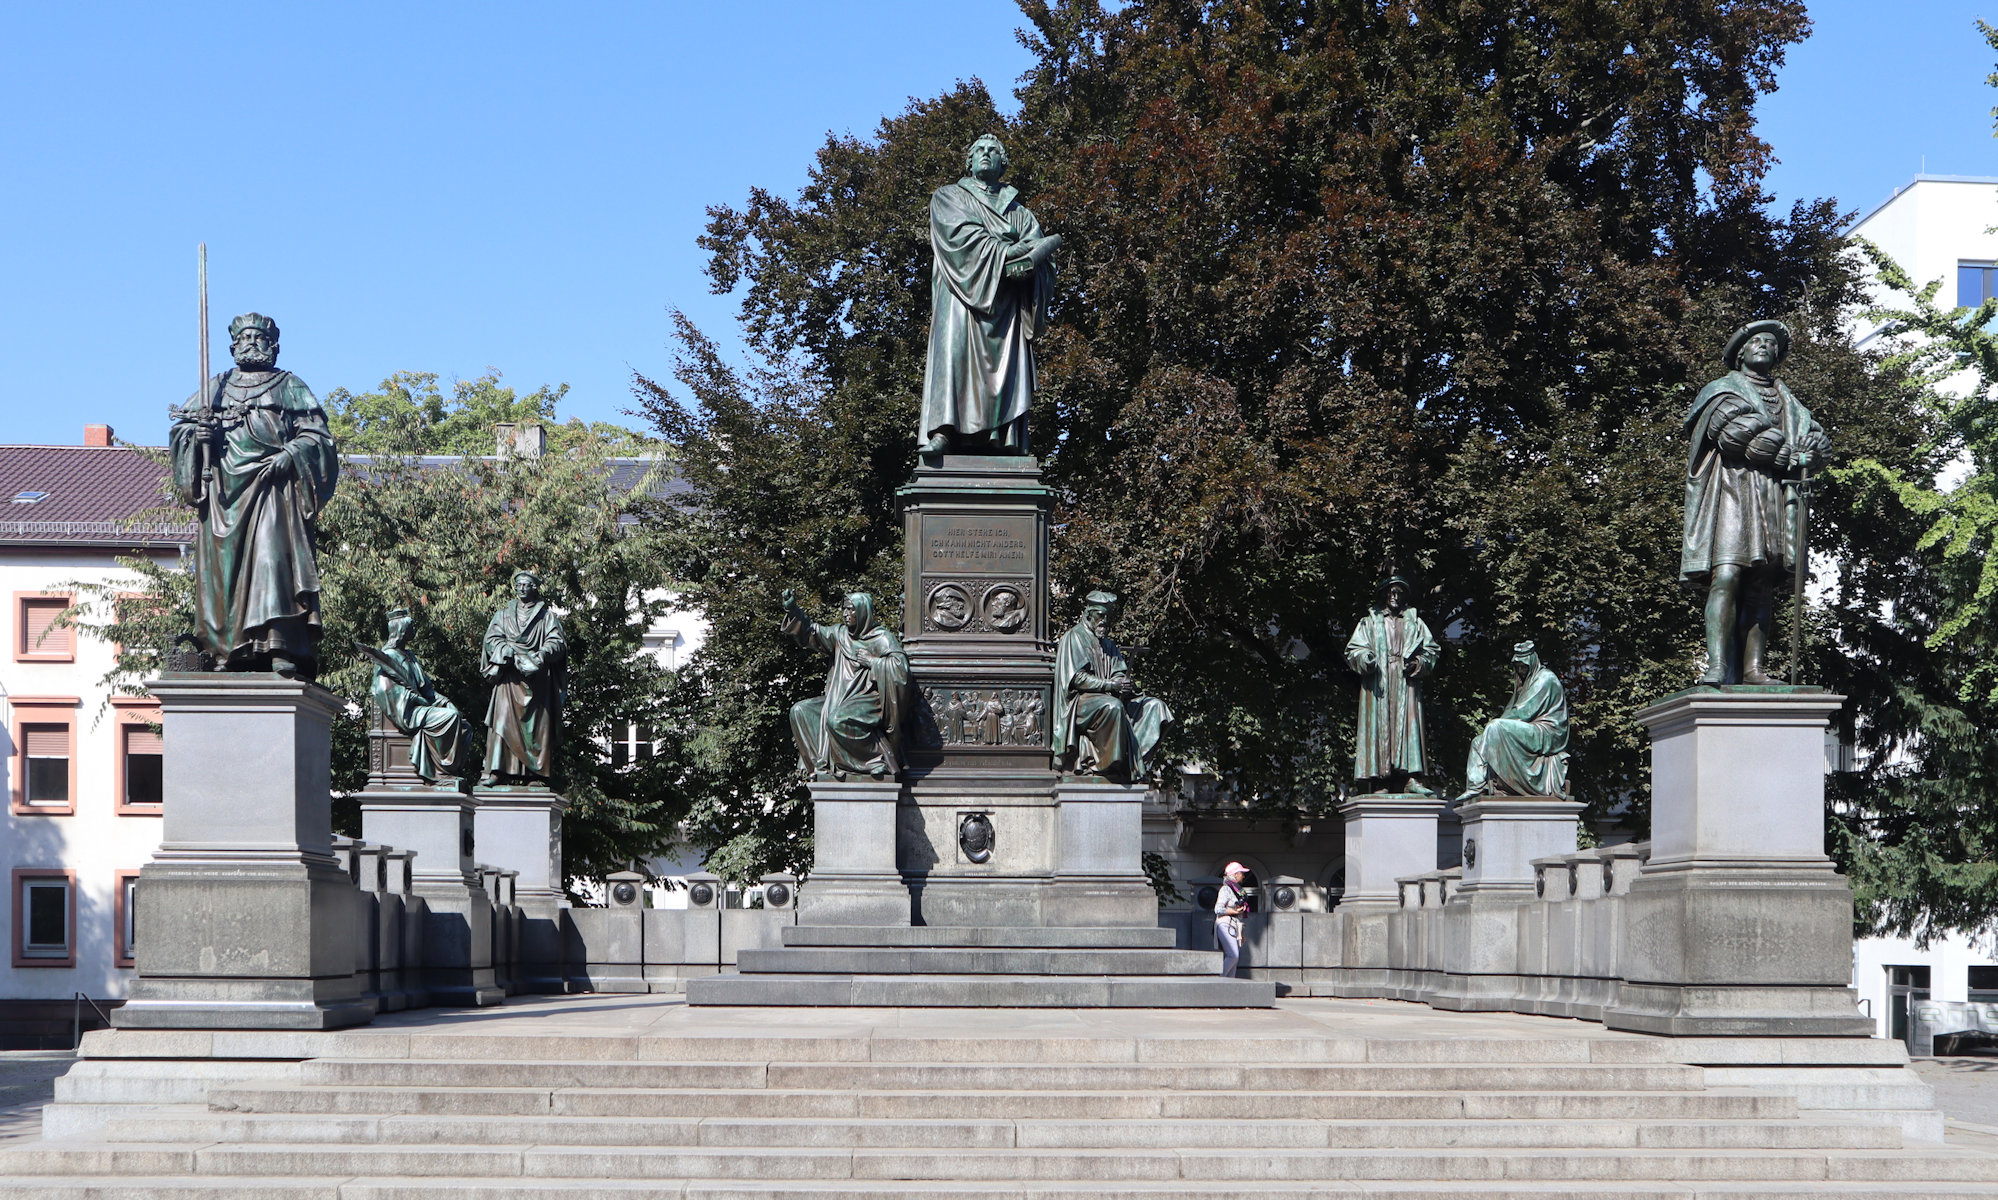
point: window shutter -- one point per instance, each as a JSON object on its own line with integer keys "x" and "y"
{"x": 46, "y": 741}
{"x": 141, "y": 740}
{"x": 38, "y": 627}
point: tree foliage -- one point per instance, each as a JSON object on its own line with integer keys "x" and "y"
{"x": 409, "y": 414}
{"x": 1345, "y": 286}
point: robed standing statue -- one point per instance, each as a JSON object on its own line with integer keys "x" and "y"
{"x": 526, "y": 659}
{"x": 990, "y": 282}
{"x": 1393, "y": 651}
{"x": 439, "y": 744}
{"x": 1524, "y": 751}
{"x": 1102, "y": 726}
{"x": 252, "y": 454}
{"x": 856, "y": 726}
{"x": 1752, "y": 444}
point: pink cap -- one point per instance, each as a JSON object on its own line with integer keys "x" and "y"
{"x": 1233, "y": 867}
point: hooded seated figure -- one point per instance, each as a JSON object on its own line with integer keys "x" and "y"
{"x": 1102, "y": 725}
{"x": 1524, "y": 752}
{"x": 404, "y": 696}
{"x": 854, "y": 728}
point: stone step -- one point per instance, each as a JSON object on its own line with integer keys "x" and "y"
{"x": 952, "y": 1077}
{"x": 1109, "y": 937}
{"x": 1219, "y": 1167}
{"x": 1062, "y": 1105}
{"x": 989, "y": 1134}
{"x": 378, "y": 1187}
{"x": 974, "y": 960}
{"x": 981, "y": 991}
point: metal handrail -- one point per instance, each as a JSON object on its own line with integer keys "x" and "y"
{"x": 76, "y": 1018}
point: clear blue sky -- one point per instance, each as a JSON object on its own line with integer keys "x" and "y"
{"x": 452, "y": 187}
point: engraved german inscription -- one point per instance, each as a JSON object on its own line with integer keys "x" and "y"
{"x": 978, "y": 545}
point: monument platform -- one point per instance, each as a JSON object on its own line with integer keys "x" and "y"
{"x": 648, "y": 1098}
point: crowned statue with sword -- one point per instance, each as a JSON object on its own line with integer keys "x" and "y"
{"x": 252, "y": 455}
{"x": 1748, "y": 475}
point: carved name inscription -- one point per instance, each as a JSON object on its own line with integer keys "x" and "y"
{"x": 978, "y": 545}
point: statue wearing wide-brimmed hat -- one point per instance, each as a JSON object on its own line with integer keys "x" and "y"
{"x": 1751, "y": 444}
{"x": 1102, "y": 726}
{"x": 1393, "y": 651}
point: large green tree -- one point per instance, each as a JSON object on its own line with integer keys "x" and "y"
{"x": 1346, "y": 286}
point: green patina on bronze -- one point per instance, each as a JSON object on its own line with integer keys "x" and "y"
{"x": 526, "y": 658}
{"x": 990, "y": 282}
{"x": 1524, "y": 750}
{"x": 252, "y": 455}
{"x": 1102, "y": 726}
{"x": 1752, "y": 443}
{"x": 856, "y": 727}
{"x": 1393, "y": 651}
{"x": 439, "y": 742}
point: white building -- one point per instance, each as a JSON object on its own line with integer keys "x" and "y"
{"x": 81, "y": 768}
{"x": 1939, "y": 227}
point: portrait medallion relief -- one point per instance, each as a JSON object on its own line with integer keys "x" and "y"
{"x": 1005, "y": 609}
{"x": 949, "y": 607}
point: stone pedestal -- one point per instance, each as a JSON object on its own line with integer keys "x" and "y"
{"x": 246, "y": 920}
{"x": 519, "y": 828}
{"x": 1504, "y": 834}
{"x": 399, "y": 809}
{"x": 1099, "y": 871}
{"x": 854, "y": 879}
{"x": 1738, "y": 925}
{"x": 1388, "y": 835}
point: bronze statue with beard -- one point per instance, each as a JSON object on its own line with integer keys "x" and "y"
{"x": 252, "y": 455}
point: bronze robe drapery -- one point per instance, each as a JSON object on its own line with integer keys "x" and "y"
{"x": 1524, "y": 751}
{"x": 854, "y": 728}
{"x": 257, "y": 472}
{"x": 433, "y": 725}
{"x": 526, "y": 658}
{"x": 1096, "y": 731}
{"x": 980, "y": 374}
{"x": 1738, "y": 512}
{"x": 1389, "y": 736}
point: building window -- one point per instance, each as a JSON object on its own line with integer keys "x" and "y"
{"x": 143, "y": 753}
{"x": 44, "y": 767}
{"x": 1983, "y": 985}
{"x": 1974, "y": 283}
{"x": 633, "y": 747}
{"x": 41, "y": 639}
{"x": 126, "y": 895}
{"x": 44, "y": 917}
{"x": 45, "y": 744}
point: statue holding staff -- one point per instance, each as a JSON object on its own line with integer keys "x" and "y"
{"x": 1524, "y": 750}
{"x": 990, "y": 280}
{"x": 856, "y": 726}
{"x": 1751, "y": 446}
{"x": 526, "y": 658}
{"x": 439, "y": 743}
{"x": 252, "y": 455}
{"x": 1393, "y": 651}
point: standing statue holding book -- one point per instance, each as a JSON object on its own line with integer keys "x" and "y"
{"x": 1747, "y": 471}
{"x": 990, "y": 282}
{"x": 1524, "y": 750}
{"x": 1393, "y": 651}
{"x": 526, "y": 658}
{"x": 252, "y": 455}
{"x": 856, "y": 726}
{"x": 439, "y": 744}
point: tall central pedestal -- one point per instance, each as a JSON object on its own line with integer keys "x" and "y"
{"x": 995, "y": 882}
{"x": 980, "y": 833}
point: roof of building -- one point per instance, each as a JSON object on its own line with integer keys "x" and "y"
{"x": 1903, "y": 189}
{"x": 85, "y": 496}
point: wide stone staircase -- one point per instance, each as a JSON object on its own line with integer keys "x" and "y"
{"x": 448, "y": 1115}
